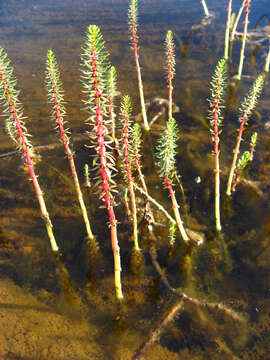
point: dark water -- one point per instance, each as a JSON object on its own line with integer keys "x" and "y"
{"x": 234, "y": 271}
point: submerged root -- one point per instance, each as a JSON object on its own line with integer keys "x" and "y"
{"x": 201, "y": 303}
{"x": 158, "y": 330}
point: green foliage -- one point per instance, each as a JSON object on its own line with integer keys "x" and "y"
{"x": 136, "y": 140}
{"x": 218, "y": 87}
{"x": 250, "y": 101}
{"x": 54, "y": 88}
{"x": 9, "y": 99}
{"x": 95, "y": 66}
{"x": 111, "y": 82}
{"x": 243, "y": 161}
{"x": 170, "y": 52}
{"x": 253, "y": 140}
{"x": 166, "y": 149}
{"x": 126, "y": 111}
{"x": 133, "y": 15}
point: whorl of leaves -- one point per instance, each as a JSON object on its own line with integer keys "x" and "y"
{"x": 253, "y": 140}
{"x": 136, "y": 141}
{"x": 218, "y": 87}
{"x": 133, "y": 16}
{"x": 250, "y": 101}
{"x": 111, "y": 82}
{"x": 95, "y": 66}
{"x": 170, "y": 54}
{"x": 166, "y": 149}
{"x": 243, "y": 161}
{"x": 9, "y": 99}
{"x": 54, "y": 87}
{"x": 126, "y": 110}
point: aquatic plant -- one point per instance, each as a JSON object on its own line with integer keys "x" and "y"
{"x": 133, "y": 24}
{"x": 236, "y": 21}
{"x": 166, "y": 152}
{"x": 87, "y": 182}
{"x": 58, "y": 112}
{"x": 94, "y": 74}
{"x": 218, "y": 85}
{"x": 253, "y": 143}
{"x": 242, "y": 52}
{"x": 246, "y": 110}
{"x": 227, "y": 30}
{"x": 170, "y": 58}
{"x": 267, "y": 61}
{"x": 111, "y": 89}
{"x": 16, "y": 128}
{"x": 205, "y": 8}
{"x": 136, "y": 157}
{"x": 242, "y": 163}
{"x": 127, "y": 156}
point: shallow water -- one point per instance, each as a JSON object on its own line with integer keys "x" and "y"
{"x": 44, "y": 317}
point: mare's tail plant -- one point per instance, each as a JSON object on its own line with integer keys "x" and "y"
{"x": 166, "y": 152}
{"x": 170, "y": 58}
{"x": 111, "y": 84}
{"x": 9, "y": 97}
{"x": 253, "y": 143}
{"x": 242, "y": 51}
{"x": 242, "y": 163}
{"x": 246, "y": 110}
{"x": 227, "y": 30}
{"x": 133, "y": 24}
{"x": 55, "y": 98}
{"x": 136, "y": 145}
{"x": 127, "y": 155}
{"x": 94, "y": 74}
{"x": 216, "y": 101}
{"x": 205, "y": 8}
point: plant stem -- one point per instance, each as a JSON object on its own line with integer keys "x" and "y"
{"x": 227, "y": 31}
{"x": 133, "y": 11}
{"x": 267, "y": 61}
{"x": 242, "y": 52}
{"x": 236, "y": 22}
{"x": 175, "y": 207}
{"x": 205, "y": 9}
{"x": 27, "y": 155}
{"x": 154, "y": 202}
{"x": 235, "y": 153}
{"x": 65, "y": 141}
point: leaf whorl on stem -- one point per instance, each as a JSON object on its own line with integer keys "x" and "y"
{"x": 128, "y": 152}
{"x": 170, "y": 55}
{"x": 55, "y": 91}
{"x": 218, "y": 86}
{"x": 95, "y": 65}
{"x": 133, "y": 18}
{"x": 136, "y": 135}
{"x": 250, "y": 101}
{"x": 9, "y": 99}
{"x": 166, "y": 150}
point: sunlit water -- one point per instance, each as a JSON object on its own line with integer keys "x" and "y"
{"x": 57, "y": 324}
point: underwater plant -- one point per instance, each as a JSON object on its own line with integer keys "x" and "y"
{"x": 218, "y": 85}
{"x": 94, "y": 74}
{"x": 166, "y": 152}
{"x": 58, "y": 112}
{"x": 227, "y": 30}
{"x": 267, "y": 61}
{"x": 127, "y": 156}
{"x": 236, "y": 21}
{"x": 242, "y": 52}
{"x": 246, "y": 109}
{"x": 136, "y": 156}
{"x": 242, "y": 163}
{"x": 133, "y": 24}
{"x": 253, "y": 143}
{"x": 170, "y": 57}
{"x": 205, "y": 8}
{"x": 111, "y": 84}
{"x": 16, "y": 128}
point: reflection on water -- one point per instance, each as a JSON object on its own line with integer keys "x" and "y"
{"x": 47, "y": 322}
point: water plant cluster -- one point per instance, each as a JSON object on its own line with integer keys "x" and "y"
{"x": 117, "y": 142}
